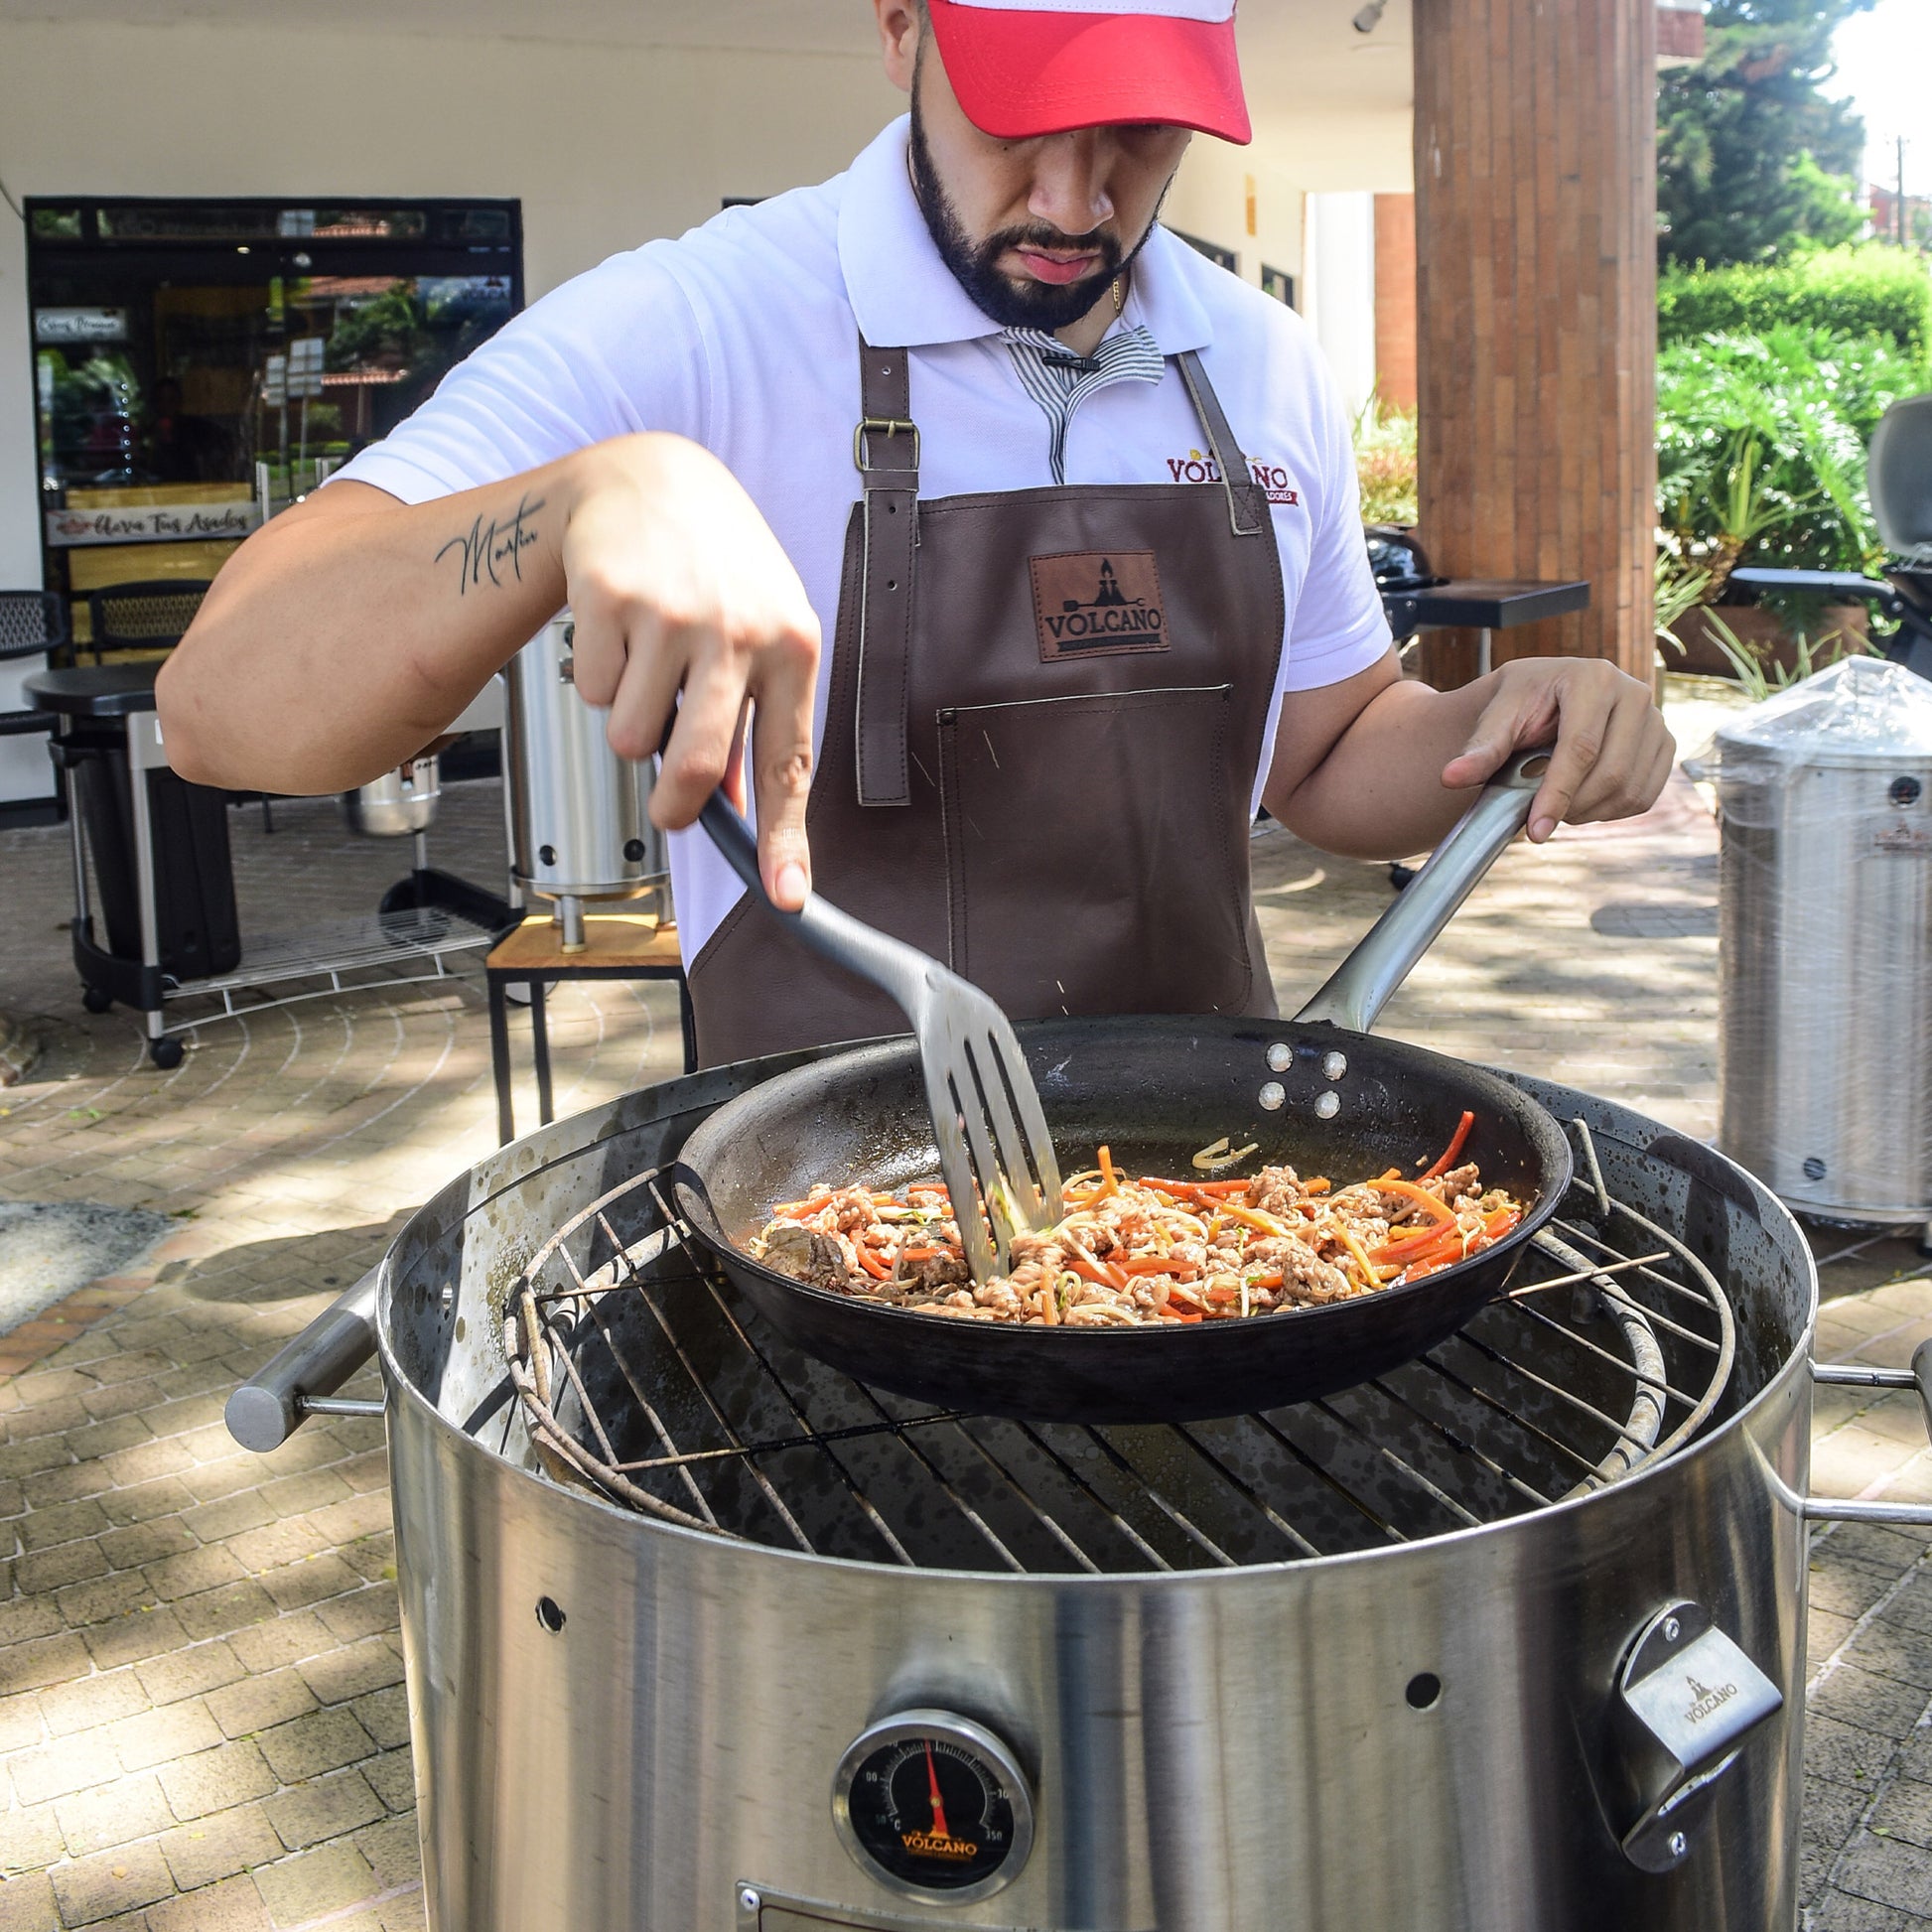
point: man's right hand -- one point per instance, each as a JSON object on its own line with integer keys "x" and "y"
{"x": 345, "y": 635}
{"x": 675, "y": 584}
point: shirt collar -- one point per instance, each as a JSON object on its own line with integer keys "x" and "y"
{"x": 903, "y": 295}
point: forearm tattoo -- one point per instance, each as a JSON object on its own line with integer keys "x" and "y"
{"x": 491, "y": 551}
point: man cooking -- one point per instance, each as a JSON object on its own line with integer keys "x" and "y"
{"x": 1103, "y": 588}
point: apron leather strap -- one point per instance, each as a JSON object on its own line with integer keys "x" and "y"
{"x": 885, "y": 450}
{"x": 1228, "y": 458}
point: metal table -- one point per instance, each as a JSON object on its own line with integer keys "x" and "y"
{"x": 1483, "y": 605}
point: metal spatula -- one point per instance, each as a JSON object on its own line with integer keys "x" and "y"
{"x": 995, "y": 1152}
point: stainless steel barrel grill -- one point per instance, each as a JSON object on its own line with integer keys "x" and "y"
{"x": 702, "y": 1635}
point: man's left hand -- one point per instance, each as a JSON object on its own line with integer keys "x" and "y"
{"x": 1612, "y": 755}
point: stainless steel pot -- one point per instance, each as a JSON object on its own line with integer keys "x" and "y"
{"x": 1824, "y": 892}
{"x": 1582, "y": 1715}
{"x": 580, "y": 824}
{"x": 396, "y": 804}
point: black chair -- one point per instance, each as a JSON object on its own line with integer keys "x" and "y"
{"x": 143, "y": 616}
{"x": 33, "y": 623}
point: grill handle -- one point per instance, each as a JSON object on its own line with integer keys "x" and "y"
{"x": 1362, "y": 986}
{"x": 297, "y": 1382}
{"x": 1826, "y": 1509}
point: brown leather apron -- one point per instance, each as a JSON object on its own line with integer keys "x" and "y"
{"x": 1038, "y": 767}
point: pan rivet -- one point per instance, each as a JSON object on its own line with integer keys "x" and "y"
{"x": 749, "y": 1900}
{"x": 1334, "y": 1066}
{"x": 1281, "y": 1057}
{"x": 550, "y": 1614}
{"x": 1672, "y": 1629}
{"x": 1679, "y": 1845}
{"x": 1328, "y": 1106}
{"x": 1273, "y": 1094}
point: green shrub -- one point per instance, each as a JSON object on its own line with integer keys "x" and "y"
{"x": 1870, "y": 290}
{"x": 1385, "y": 463}
{"x": 1762, "y": 445}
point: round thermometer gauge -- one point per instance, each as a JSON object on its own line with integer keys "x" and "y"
{"x": 934, "y": 1807}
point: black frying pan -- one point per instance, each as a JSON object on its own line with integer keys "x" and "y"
{"x": 1155, "y": 1089}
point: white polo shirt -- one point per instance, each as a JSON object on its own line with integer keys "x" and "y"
{"x": 743, "y": 335}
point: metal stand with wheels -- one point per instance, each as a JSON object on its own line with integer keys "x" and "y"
{"x": 87, "y": 704}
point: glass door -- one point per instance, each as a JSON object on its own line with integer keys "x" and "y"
{"x": 201, "y": 364}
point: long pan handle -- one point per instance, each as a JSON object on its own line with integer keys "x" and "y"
{"x": 296, "y": 1382}
{"x": 1362, "y": 986}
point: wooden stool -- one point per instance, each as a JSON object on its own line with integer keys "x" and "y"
{"x": 616, "y": 947}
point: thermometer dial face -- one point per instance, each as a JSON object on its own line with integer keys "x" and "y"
{"x": 934, "y": 1807}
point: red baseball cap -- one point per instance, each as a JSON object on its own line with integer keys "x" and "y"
{"x": 1025, "y": 67}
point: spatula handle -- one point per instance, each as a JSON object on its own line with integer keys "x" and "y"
{"x": 888, "y": 963}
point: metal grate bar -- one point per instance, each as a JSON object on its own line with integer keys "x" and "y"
{"x": 1237, "y": 1482}
{"x": 1043, "y": 1517}
{"x": 901, "y": 1553}
{"x": 793, "y": 1527}
{"x": 1329, "y": 1480}
{"x": 1506, "y": 1414}
{"x": 1460, "y": 1444}
{"x": 1395, "y": 1463}
{"x": 1604, "y": 1354}
{"x": 1568, "y": 1396}
{"x": 1176, "y": 1516}
{"x": 1093, "y": 1496}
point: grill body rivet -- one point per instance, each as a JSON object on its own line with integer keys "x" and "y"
{"x": 1273, "y": 1095}
{"x": 1328, "y": 1106}
{"x": 1281, "y": 1056}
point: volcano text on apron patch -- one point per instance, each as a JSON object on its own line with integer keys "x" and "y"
{"x": 1098, "y": 604}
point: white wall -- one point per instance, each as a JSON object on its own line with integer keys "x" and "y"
{"x": 1341, "y": 299}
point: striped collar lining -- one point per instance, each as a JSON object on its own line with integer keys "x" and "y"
{"x": 1060, "y": 381}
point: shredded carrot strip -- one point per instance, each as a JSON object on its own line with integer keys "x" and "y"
{"x": 1407, "y": 1189}
{"x": 873, "y": 1266}
{"x": 1109, "y": 1181}
{"x": 1370, "y": 1279}
{"x": 1454, "y": 1148}
{"x": 1251, "y": 1217}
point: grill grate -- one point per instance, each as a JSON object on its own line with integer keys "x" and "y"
{"x": 643, "y": 1373}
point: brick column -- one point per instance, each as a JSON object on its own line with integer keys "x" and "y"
{"x": 1536, "y": 281}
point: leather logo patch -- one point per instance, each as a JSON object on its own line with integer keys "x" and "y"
{"x": 1098, "y": 602}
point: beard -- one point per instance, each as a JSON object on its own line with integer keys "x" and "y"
{"x": 974, "y": 264}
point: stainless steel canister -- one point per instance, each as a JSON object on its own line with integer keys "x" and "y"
{"x": 1826, "y": 921}
{"x": 402, "y": 801}
{"x": 578, "y": 814}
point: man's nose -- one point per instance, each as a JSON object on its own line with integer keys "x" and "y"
{"x": 1070, "y": 174}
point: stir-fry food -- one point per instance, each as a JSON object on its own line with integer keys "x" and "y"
{"x": 1129, "y": 1251}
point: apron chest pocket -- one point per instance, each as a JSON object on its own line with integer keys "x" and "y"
{"x": 1096, "y": 852}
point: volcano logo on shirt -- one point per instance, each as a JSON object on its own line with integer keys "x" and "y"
{"x": 1095, "y": 602}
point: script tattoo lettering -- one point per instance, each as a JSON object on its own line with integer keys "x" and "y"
{"x": 486, "y": 550}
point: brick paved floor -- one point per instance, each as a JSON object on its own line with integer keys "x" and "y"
{"x": 202, "y": 1718}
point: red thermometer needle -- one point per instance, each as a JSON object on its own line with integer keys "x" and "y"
{"x": 938, "y": 1803}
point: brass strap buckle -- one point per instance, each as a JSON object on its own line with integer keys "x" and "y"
{"x": 885, "y": 425}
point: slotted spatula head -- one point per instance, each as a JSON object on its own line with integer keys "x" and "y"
{"x": 995, "y": 1154}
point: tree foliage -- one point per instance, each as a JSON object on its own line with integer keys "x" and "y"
{"x": 1762, "y": 444}
{"x": 1750, "y": 155}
